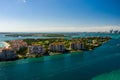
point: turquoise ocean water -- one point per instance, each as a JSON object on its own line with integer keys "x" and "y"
{"x": 103, "y": 63}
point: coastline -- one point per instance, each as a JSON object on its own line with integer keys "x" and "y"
{"x": 4, "y": 44}
{"x": 70, "y": 62}
{"x": 89, "y": 44}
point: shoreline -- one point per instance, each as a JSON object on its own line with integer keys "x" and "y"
{"x": 40, "y": 56}
{"x": 87, "y": 46}
{"x": 20, "y": 57}
{"x": 4, "y": 44}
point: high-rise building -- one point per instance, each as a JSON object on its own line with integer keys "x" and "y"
{"x": 58, "y": 47}
{"x": 7, "y": 54}
{"x": 36, "y": 49}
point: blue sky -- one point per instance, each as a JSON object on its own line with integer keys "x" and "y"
{"x": 59, "y": 15}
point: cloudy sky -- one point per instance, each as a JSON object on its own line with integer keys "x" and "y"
{"x": 59, "y": 15}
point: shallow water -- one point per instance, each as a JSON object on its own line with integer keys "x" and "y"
{"x": 114, "y": 75}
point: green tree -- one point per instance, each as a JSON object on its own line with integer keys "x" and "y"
{"x": 22, "y": 51}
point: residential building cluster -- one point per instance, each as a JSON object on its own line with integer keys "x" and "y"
{"x": 20, "y": 49}
{"x": 35, "y": 49}
{"x": 7, "y": 54}
{"x": 1, "y": 49}
{"x": 17, "y": 44}
{"x": 57, "y": 47}
{"x": 76, "y": 46}
{"x": 114, "y": 31}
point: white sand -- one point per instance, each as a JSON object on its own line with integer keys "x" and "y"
{"x": 4, "y": 44}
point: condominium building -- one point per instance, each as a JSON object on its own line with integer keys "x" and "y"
{"x": 57, "y": 47}
{"x": 76, "y": 46}
{"x": 73, "y": 46}
{"x": 17, "y": 44}
{"x": 7, "y": 54}
{"x": 35, "y": 49}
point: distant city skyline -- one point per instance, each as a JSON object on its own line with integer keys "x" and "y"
{"x": 59, "y": 15}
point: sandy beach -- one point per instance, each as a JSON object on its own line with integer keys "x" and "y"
{"x": 4, "y": 45}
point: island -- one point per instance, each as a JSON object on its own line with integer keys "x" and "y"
{"x": 25, "y": 48}
{"x": 35, "y": 35}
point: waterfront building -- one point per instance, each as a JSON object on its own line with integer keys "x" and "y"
{"x": 52, "y": 47}
{"x": 76, "y": 46}
{"x": 111, "y": 31}
{"x": 17, "y": 44}
{"x": 73, "y": 46}
{"x": 57, "y": 47}
{"x": 60, "y": 48}
{"x": 35, "y": 49}
{"x": 1, "y": 49}
{"x": 7, "y": 54}
{"x": 114, "y": 31}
